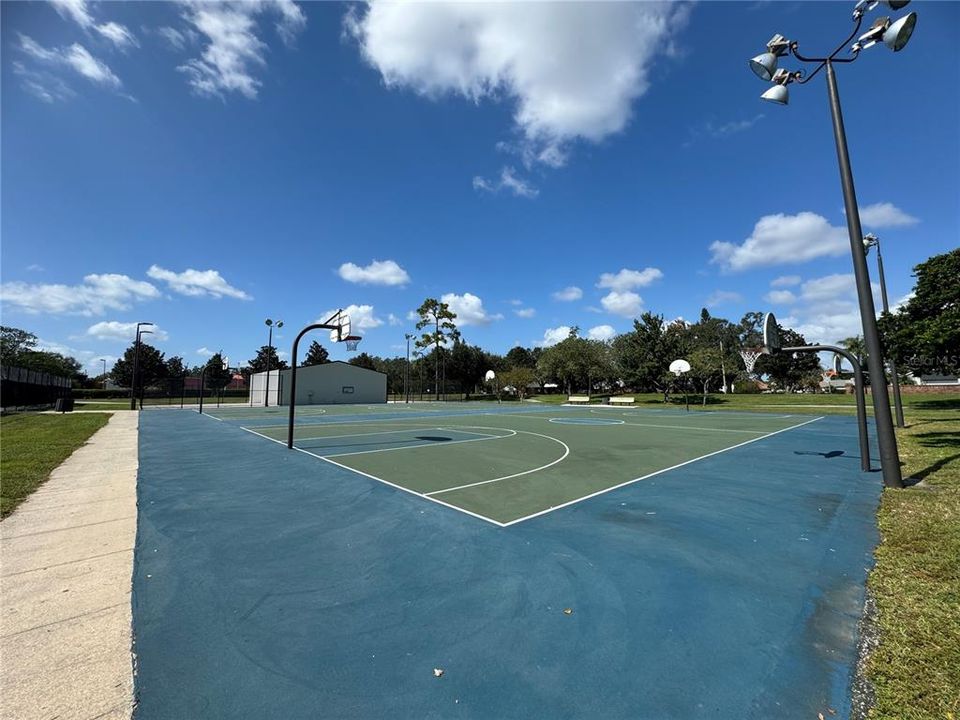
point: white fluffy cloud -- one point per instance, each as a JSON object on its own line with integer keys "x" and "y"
{"x": 551, "y": 336}
{"x": 196, "y": 283}
{"x": 601, "y": 332}
{"x": 469, "y": 309}
{"x": 883, "y": 215}
{"x": 785, "y": 281}
{"x": 826, "y": 310}
{"x": 114, "y": 330}
{"x": 233, "y": 47}
{"x": 378, "y": 272}
{"x": 96, "y": 295}
{"x": 627, "y": 304}
{"x": 362, "y": 317}
{"x": 568, "y": 294}
{"x": 780, "y": 297}
{"x": 783, "y": 239}
{"x": 525, "y": 312}
{"x": 76, "y": 57}
{"x": 629, "y": 279}
{"x": 571, "y": 69}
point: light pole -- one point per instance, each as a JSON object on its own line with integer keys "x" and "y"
{"x": 406, "y": 374}
{"x": 870, "y": 241}
{"x": 895, "y": 36}
{"x": 104, "y": 361}
{"x": 136, "y": 364}
{"x": 270, "y": 324}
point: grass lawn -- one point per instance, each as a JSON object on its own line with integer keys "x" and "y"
{"x": 916, "y": 581}
{"x": 32, "y": 445}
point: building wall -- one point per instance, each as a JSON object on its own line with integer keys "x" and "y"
{"x": 258, "y": 387}
{"x": 335, "y": 383}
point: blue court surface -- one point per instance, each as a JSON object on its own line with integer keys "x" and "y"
{"x": 271, "y": 583}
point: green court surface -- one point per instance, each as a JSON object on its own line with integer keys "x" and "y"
{"x": 506, "y": 466}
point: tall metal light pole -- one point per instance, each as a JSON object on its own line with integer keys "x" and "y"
{"x": 895, "y": 36}
{"x": 270, "y": 324}
{"x": 870, "y": 241}
{"x": 104, "y": 361}
{"x": 136, "y": 365}
{"x": 406, "y": 374}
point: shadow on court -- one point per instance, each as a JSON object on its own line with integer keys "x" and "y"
{"x": 270, "y": 584}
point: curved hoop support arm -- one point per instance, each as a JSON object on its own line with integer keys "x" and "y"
{"x": 203, "y": 374}
{"x": 860, "y": 393}
{"x": 293, "y": 375}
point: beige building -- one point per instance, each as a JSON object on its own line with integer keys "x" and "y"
{"x": 328, "y": 384}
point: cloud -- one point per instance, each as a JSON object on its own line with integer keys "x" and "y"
{"x": 721, "y": 297}
{"x": 570, "y": 70}
{"x": 176, "y": 39}
{"x": 469, "y": 309}
{"x": 509, "y": 181}
{"x": 827, "y": 310}
{"x": 79, "y": 12}
{"x": 568, "y": 294}
{"x": 96, "y": 295}
{"x": 33, "y": 267}
{"x": 394, "y": 320}
{"x": 551, "y": 336}
{"x": 385, "y": 272}
{"x": 783, "y": 239}
{"x": 76, "y": 57}
{"x": 525, "y": 312}
{"x": 711, "y": 129}
{"x": 780, "y": 297}
{"x": 627, "y": 304}
{"x": 785, "y": 281}
{"x": 234, "y": 48}
{"x": 362, "y": 317}
{"x": 883, "y": 215}
{"x": 601, "y": 332}
{"x": 206, "y": 352}
{"x": 43, "y": 85}
{"x": 196, "y": 283}
{"x": 114, "y": 330}
{"x": 629, "y": 279}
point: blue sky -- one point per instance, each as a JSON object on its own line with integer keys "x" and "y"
{"x": 206, "y": 166}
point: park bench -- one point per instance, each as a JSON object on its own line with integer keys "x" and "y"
{"x": 579, "y": 399}
{"x": 622, "y": 400}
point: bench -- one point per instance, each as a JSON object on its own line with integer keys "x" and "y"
{"x": 579, "y": 399}
{"x": 622, "y": 400}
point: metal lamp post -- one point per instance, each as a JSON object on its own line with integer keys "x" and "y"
{"x": 406, "y": 374}
{"x": 136, "y": 363}
{"x": 104, "y": 361}
{"x": 870, "y": 241}
{"x": 895, "y": 36}
{"x": 269, "y": 324}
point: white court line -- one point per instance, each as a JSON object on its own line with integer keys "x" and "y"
{"x": 381, "y": 480}
{"x": 386, "y": 421}
{"x": 658, "y": 472}
{"x": 212, "y": 417}
{"x": 694, "y": 427}
{"x": 425, "y": 445}
{"x": 508, "y": 477}
{"x": 379, "y": 432}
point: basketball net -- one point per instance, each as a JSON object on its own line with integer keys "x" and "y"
{"x": 352, "y": 342}
{"x": 750, "y": 358}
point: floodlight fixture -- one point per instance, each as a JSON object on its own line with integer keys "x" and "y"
{"x": 870, "y": 240}
{"x": 764, "y": 65}
{"x": 898, "y": 34}
{"x": 865, "y": 6}
{"x": 778, "y": 93}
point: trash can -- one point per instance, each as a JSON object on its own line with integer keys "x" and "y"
{"x": 64, "y": 404}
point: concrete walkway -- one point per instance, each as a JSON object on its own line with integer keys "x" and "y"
{"x": 67, "y": 557}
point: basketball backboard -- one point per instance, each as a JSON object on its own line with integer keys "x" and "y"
{"x": 678, "y": 367}
{"x": 771, "y": 334}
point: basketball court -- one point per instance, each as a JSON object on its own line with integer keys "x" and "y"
{"x": 486, "y": 561}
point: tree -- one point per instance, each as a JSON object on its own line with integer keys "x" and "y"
{"x": 316, "y": 355}
{"x": 576, "y": 361}
{"x": 53, "y": 363}
{"x": 518, "y": 378}
{"x": 924, "y": 334}
{"x": 789, "y": 371}
{"x": 644, "y": 355}
{"x": 151, "y": 366}
{"x": 466, "y": 365}
{"x": 365, "y": 361}
{"x": 439, "y": 315}
{"x": 856, "y": 347}
{"x": 175, "y": 367}
{"x": 705, "y": 368}
{"x": 265, "y": 353}
{"x": 521, "y": 357}
{"x": 216, "y": 376}
{"x": 13, "y": 343}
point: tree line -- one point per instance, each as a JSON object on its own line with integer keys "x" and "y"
{"x": 923, "y": 336}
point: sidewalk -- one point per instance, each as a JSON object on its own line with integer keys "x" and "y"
{"x": 66, "y": 558}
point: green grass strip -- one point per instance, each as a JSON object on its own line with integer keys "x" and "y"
{"x": 916, "y": 582}
{"x": 32, "y": 445}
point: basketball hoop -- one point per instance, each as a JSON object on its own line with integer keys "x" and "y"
{"x": 351, "y": 341}
{"x": 750, "y": 357}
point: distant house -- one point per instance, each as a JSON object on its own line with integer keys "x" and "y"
{"x": 934, "y": 380}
